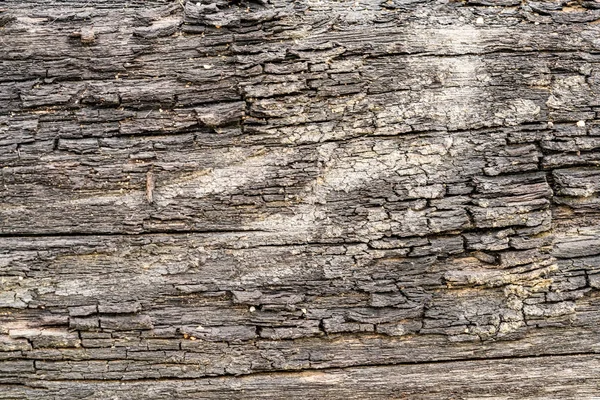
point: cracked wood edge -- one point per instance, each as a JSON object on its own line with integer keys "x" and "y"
{"x": 572, "y": 376}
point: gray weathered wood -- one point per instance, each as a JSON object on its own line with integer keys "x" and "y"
{"x": 268, "y": 199}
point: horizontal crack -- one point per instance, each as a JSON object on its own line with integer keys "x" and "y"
{"x": 324, "y": 369}
{"x": 117, "y": 234}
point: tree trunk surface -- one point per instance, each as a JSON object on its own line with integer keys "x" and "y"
{"x": 312, "y": 199}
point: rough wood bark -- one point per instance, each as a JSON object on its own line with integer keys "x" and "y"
{"x": 261, "y": 199}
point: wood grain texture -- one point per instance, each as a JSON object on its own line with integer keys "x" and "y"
{"x": 308, "y": 199}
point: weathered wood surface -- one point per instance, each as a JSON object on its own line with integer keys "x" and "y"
{"x": 312, "y": 199}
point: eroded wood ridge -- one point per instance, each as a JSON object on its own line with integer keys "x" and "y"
{"x": 251, "y": 198}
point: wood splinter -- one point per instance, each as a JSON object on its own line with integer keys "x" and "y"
{"x": 86, "y": 35}
{"x": 150, "y": 187}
